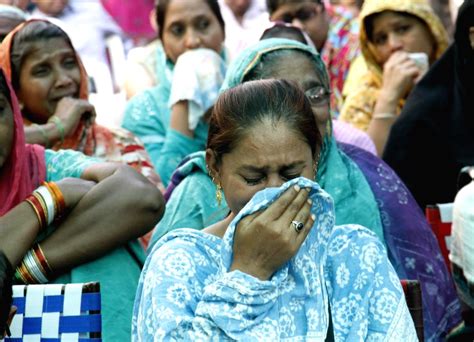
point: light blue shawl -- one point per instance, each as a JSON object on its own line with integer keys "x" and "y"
{"x": 186, "y": 291}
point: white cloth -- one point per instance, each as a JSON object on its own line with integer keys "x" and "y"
{"x": 240, "y": 35}
{"x": 462, "y": 248}
{"x": 197, "y": 78}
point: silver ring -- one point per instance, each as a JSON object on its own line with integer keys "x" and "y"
{"x": 297, "y": 225}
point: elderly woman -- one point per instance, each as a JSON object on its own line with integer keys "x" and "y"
{"x": 51, "y": 83}
{"x": 276, "y": 267}
{"x": 390, "y": 33}
{"x": 364, "y": 189}
{"x": 169, "y": 117}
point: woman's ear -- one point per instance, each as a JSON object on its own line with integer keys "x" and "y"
{"x": 212, "y": 165}
{"x": 152, "y": 19}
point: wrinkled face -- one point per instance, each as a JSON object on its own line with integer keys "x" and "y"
{"x": 48, "y": 74}
{"x": 51, "y": 7}
{"x": 268, "y": 155}
{"x": 306, "y": 15}
{"x": 307, "y": 78}
{"x": 396, "y": 32}
{"x": 238, "y": 7}
{"x": 190, "y": 24}
{"x": 6, "y": 129}
{"x": 471, "y": 36}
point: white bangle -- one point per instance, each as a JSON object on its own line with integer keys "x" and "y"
{"x": 384, "y": 116}
{"x": 49, "y": 201}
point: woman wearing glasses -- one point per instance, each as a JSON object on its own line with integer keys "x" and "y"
{"x": 333, "y": 30}
{"x": 364, "y": 189}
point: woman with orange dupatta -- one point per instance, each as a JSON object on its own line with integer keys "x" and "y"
{"x": 51, "y": 84}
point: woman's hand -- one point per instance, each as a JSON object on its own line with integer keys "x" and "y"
{"x": 73, "y": 189}
{"x": 71, "y": 111}
{"x": 400, "y": 73}
{"x": 264, "y": 241}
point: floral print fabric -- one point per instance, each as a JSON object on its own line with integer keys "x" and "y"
{"x": 186, "y": 292}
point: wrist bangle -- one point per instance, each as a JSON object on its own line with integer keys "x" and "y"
{"x": 59, "y": 126}
{"x": 384, "y": 116}
{"x": 49, "y": 202}
{"x": 43, "y": 134}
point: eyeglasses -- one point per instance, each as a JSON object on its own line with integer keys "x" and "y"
{"x": 303, "y": 14}
{"x": 318, "y": 95}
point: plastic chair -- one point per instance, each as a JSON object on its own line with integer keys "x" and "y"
{"x": 412, "y": 291}
{"x": 56, "y": 312}
{"x": 441, "y": 228}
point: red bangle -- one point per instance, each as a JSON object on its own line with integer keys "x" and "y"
{"x": 38, "y": 252}
{"x": 36, "y": 205}
{"x": 58, "y": 198}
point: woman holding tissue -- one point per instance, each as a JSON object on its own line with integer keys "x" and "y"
{"x": 170, "y": 118}
{"x": 434, "y": 137}
{"x": 399, "y": 40}
{"x": 276, "y": 267}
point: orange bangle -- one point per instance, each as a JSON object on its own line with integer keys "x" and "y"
{"x": 26, "y": 274}
{"x": 58, "y": 197}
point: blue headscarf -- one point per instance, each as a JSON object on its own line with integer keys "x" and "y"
{"x": 337, "y": 173}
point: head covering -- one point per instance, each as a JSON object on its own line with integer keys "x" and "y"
{"x": 337, "y": 173}
{"x": 359, "y": 106}
{"x": 419, "y": 8}
{"x": 25, "y": 169}
{"x": 434, "y": 136}
{"x": 83, "y": 138}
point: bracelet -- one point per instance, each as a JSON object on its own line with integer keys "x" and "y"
{"x": 59, "y": 202}
{"x": 49, "y": 202}
{"x": 39, "y": 210}
{"x": 43, "y": 133}
{"x": 59, "y": 126}
{"x": 34, "y": 269}
{"x": 384, "y": 116}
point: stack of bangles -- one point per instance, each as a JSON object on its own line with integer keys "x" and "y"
{"x": 48, "y": 203}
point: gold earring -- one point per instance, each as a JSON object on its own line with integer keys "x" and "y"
{"x": 219, "y": 194}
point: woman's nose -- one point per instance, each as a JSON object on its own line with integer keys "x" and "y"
{"x": 193, "y": 40}
{"x": 274, "y": 181}
{"x": 394, "y": 42}
{"x": 62, "y": 79}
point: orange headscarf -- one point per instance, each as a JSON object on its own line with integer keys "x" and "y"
{"x": 83, "y": 139}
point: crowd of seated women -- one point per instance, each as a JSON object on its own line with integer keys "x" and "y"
{"x": 264, "y": 185}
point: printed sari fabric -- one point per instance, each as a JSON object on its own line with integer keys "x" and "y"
{"x": 365, "y": 191}
{"x": 186, "y": 291}
{"x": 114, "y": 145}
{"x": 359, "y": 106}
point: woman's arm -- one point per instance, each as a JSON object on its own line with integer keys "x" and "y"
{"x": 121, "y": 207}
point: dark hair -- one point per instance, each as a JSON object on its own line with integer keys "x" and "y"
{"x": 284, "y": 31}
{"x": 34, "y": 31}
{"x": 161, "y": 6}
{"x": 4, "y": 89}
{"x": 273, "y": 5}
{"x": 241, "y": 108}
{"x": 369, "y": 22}
{"x": 269, "y": 61}
{"x": 6, "y": 275}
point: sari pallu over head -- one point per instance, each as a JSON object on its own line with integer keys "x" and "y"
{"x": 25, "y": 169}
{"x": 367, "y": 191}
{"x": 85, "y": 135}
